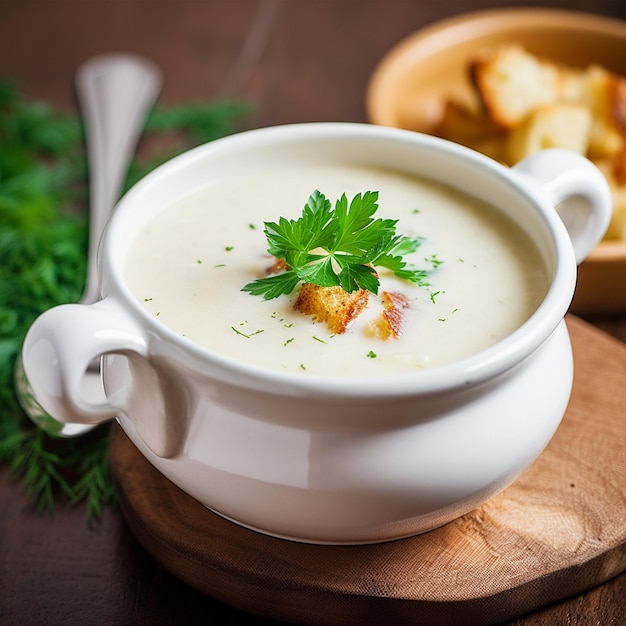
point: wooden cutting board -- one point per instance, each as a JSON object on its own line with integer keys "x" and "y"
{"x": 558, "y": 530}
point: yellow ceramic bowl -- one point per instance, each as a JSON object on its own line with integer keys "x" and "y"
{"x": 412, "y": 82}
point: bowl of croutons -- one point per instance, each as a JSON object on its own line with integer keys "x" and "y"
{"x": 511, "y": 82}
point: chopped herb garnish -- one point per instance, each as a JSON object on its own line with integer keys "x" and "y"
{"x": 433, "y": 295}
{"x": 247, "y": 335}
{"x": 371, "y": 354}
{"x": 434, "y": 261}
{"x": 229, "y": 248}
{"x": 318, "y": 339}
{"x": 288, "y": 341}
{"x": 336, "y": 247}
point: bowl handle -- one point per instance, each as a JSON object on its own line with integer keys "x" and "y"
{"x": 61, "y": 346}
{"x": 578, "y": 190}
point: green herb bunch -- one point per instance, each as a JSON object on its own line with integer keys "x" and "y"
{"x": 340, "y": 246}
{"x": 43, "y": 247}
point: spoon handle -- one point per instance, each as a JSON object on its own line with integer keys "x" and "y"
{"x": 115, "y": 93}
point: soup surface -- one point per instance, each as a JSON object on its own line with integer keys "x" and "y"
{"x": 189, "y": 265}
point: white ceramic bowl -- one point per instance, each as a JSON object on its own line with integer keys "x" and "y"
{"x": 319, "y": 459}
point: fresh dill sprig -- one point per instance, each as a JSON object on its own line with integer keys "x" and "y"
{"x": 43, "y": 243}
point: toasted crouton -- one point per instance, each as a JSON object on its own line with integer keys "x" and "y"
{"x": 278, "y": 266}
{"x": 465, "y": 124}
{"x": 605, "y": 96}
{"x": 618, "y": 170}
{"x": 550, "y": 126}
{"x": 571, "y": 84}
{"x": 471, "y": 127}
{"x": 618, "y": 105}
{"x": 332, "y": 305}
{"x": 617, "y": 226}
{"x": 512, "y": 82}
{"x": 388, "y": 325}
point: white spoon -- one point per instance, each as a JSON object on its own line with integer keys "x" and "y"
{"x": 115, "y": 93}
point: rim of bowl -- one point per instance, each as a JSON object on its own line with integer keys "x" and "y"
{"x": 481, "y": 366}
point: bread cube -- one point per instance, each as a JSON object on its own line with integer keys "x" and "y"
{"x": 511, "y": 83}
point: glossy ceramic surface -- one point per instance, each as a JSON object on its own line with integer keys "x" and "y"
{"x": 317, "y": 459}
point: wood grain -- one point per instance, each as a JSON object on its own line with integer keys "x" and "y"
{"x": 558, "y": 530}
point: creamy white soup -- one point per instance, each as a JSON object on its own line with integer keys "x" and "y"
{"x": 188, "y": 267}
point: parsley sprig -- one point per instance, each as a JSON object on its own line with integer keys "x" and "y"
{"x": 336, "y": 247}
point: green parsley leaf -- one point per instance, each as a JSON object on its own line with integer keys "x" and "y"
{"x": 336, "y": 247}
{"x": 273, "y": 286}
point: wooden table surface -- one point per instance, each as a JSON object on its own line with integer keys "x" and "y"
{"x": 297, "y": 60}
